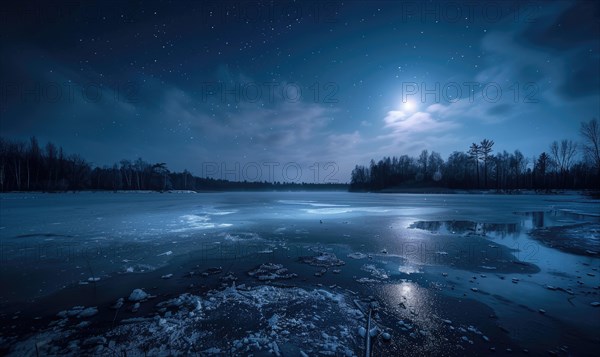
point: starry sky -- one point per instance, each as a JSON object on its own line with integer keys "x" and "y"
{"x": 214, "y": 84}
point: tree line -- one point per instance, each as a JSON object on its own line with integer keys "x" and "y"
{"x": 566, "y": 165}
{"x": 28, "y": 166}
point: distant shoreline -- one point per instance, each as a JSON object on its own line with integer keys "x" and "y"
{"x": 342, "y": 188}
{"x": 443, "y": 190}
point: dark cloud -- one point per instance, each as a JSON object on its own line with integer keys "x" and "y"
{"x": 574, "y": 26}
{"x": 499, "y": 109}
{"x": 582, "y": 76}
{"x": 569, "y": 37}
{"x": 530, "y": 73}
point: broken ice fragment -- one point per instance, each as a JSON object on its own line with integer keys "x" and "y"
{"x": 88, "y": 312}
{"x": 357, "y": 255}
{"x": 118, "y": 304}
{"x": 137, "y": 295}
{"x": 324, "y": 259}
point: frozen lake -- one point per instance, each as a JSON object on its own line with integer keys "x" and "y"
{"x": 292, "y": 273}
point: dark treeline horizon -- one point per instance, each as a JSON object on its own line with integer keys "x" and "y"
{"x": 566, "y": 165}
{"x": 26, "y": 166}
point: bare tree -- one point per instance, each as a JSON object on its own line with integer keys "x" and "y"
{"x": 591, "y": 146}
{"x": 423, "y": 161}
{"x": 541, "y": 166}
{"x": 127, "y": 170}
{"x": 474, "y": 153}
{"x": 518, "y": 163}
{"x": 563, "y": 156}
{"x": 3, "y": 159}
{"x": 485, "y": 149}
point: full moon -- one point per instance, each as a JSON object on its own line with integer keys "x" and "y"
{"x": 409, "y": 106}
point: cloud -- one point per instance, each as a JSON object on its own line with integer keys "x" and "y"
{"x": 573, "y": 25}
{"x": 406, "y": 124}
{"x": 500, "y": 109}
{"x": 557, "y": 52}
{"x": 419, "y": 122}
{"x": 409, "y": 133}
{"x": 168, "y": 123}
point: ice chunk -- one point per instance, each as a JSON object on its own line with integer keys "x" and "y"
{"x": 271, "y": 271}
{"x": 118, "y": 304}
{"x": 324, "y": 259}
{"x": 137, "y": 295}
{"x": 367, "y": 280}
{"x": 375, "y": 272}
{"x": 212, "y": 351}
{"x": 88, "y": 312}
{"x": 273, "y": 321}
{"x": 93, "y": 341}
{"x": 357, "y": 255}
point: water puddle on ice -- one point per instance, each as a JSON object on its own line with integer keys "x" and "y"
{"x": 537, "y": 306}
{"x": 564, "y": 230}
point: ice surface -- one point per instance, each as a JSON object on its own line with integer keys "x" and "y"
{"x": 306, "y": 319}
{"x": 536, "y": 252}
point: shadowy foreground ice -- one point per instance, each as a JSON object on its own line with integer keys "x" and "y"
{"x": 277, "y": 320}
{"x": 151, "y": 274}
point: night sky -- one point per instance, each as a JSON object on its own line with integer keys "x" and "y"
{"x": 190, "y": 83}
